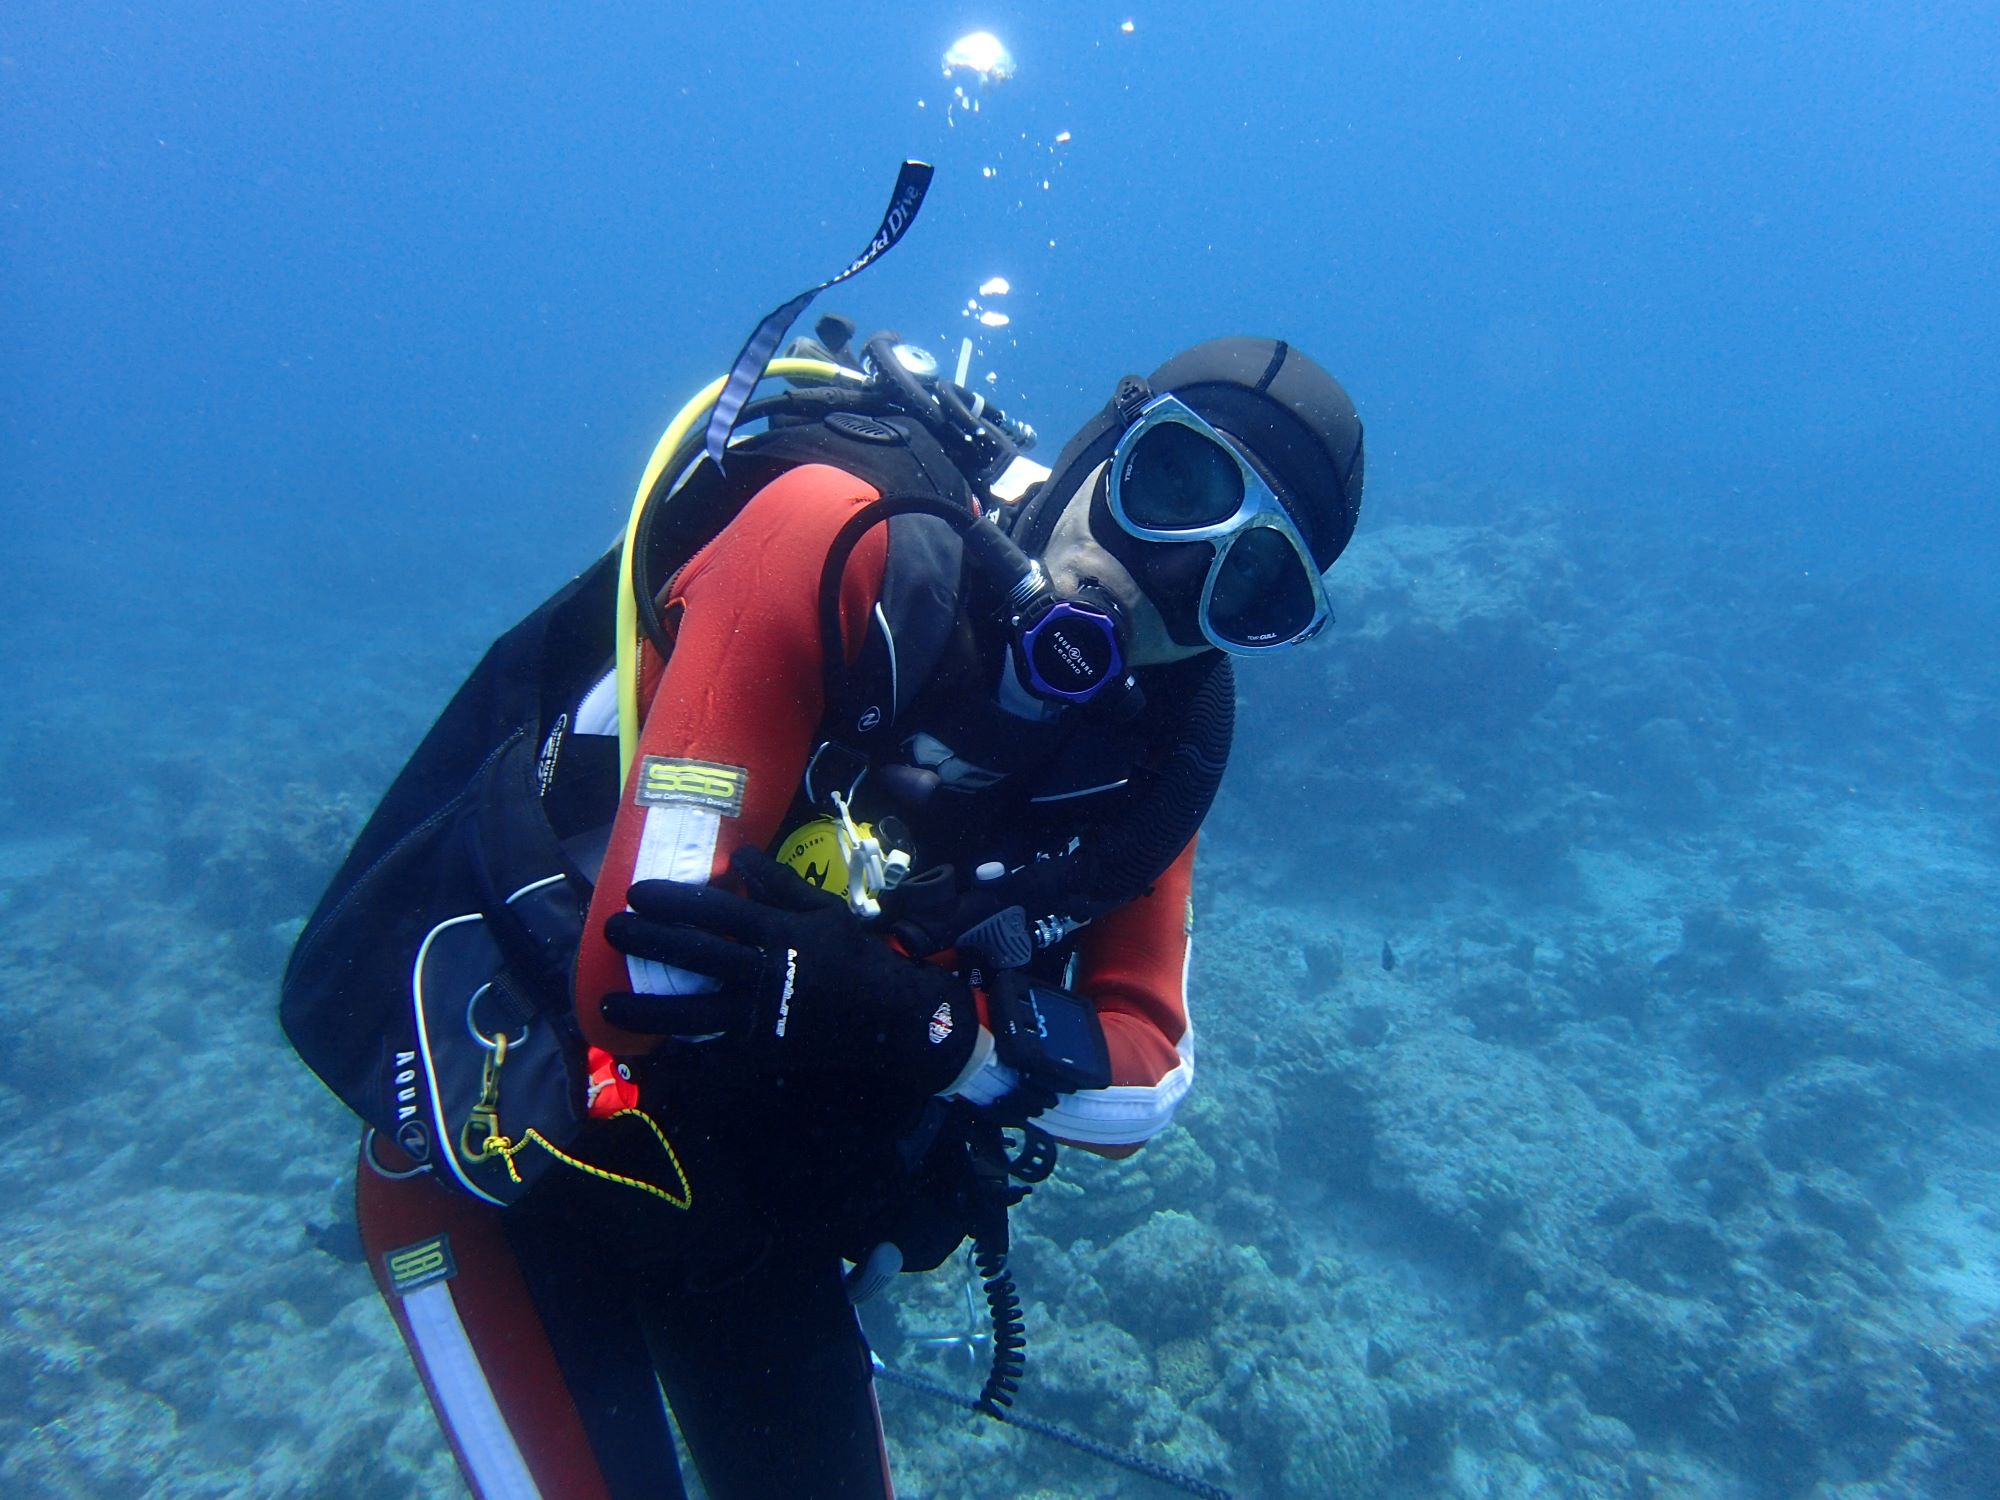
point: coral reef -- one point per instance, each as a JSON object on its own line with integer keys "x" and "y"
{"x": 1597, "y": 1018}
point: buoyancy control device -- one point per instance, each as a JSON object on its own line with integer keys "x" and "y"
{"x": 431, "y": 988}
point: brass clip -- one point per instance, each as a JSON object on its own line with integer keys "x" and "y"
{"x": 484, "y": 1120}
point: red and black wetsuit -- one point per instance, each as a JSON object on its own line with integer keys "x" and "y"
{"x": 543, "y": 1352}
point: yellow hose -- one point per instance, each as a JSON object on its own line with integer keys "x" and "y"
{"x": 671, "y": 442}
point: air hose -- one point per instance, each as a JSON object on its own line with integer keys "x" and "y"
{"x": 670, "y": 454}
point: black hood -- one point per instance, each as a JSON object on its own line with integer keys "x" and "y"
{"x": 1293, "y": 421}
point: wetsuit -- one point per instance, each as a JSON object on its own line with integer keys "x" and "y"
{"x": 542, "y": 1353}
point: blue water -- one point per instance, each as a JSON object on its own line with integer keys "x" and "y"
{"x": 1657, "y": 736}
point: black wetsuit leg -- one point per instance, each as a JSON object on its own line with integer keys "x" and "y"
{"x": 589, "y": 1305}
{"x": 770, "y": 1381}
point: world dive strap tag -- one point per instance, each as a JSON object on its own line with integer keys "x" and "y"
{"x": 911, "y": 185}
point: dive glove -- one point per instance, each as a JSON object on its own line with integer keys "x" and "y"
{"x": 803, "y": 985}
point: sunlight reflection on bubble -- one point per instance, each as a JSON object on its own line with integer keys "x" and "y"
{"x": 981, "y": 53}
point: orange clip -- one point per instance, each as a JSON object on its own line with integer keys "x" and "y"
{"x": 611, "y": 1086}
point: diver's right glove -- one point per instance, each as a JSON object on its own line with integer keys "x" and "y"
{"x": 803, "y": 985}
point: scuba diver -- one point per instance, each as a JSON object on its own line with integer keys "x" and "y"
{"x": 793, "y": 927}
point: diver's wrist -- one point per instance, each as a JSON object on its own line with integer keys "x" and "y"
{"x": 968, "y": 1082}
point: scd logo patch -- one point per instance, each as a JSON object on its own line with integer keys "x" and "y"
{"x": 420, "y": 1264}
{"x": 665, "y": 781}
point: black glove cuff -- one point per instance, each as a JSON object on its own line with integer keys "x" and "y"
{"x": 944, "y": 1048}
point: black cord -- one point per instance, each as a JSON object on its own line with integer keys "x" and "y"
{"x": 1010, "y": 1334}
{"x": 833, "y": 651}
{"x": 992, "y": 1195}
{"x": 1124, "y": 1458}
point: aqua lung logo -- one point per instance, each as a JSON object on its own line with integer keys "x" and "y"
{"x": 410, "y": 1132}
{"x": 406, "y": 1086}
{"x": 545, "y": 763}
{"x": 870, "y": 717}
{"x": 414, "y": 1140}
{"x": 1072, "y": 656}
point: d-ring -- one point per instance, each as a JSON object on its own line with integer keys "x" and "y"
{"x": 368, "y": 1155}
{"x": 481, "y": 1037}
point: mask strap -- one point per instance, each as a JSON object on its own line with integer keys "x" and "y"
{"x": 1133, "y": 393}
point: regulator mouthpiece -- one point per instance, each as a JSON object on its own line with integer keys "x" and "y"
{"x": 1069, "y": 648}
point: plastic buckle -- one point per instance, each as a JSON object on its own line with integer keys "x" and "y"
{"x": 1133, "y": 393}
{"x": 871, "y": 868}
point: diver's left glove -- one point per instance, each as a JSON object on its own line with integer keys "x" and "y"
{"x": 803, "y": 985}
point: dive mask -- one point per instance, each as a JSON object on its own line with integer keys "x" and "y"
{"x": 1174, "y": 478}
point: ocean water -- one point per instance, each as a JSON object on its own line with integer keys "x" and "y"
{"x": 1596, "y": 948}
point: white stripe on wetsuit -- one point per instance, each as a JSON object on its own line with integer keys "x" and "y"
{"x": 677, "y": 843}
{"x": 458, "y": 1383}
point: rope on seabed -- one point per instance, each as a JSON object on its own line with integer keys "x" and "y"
{"x": 1137, "y": 1463}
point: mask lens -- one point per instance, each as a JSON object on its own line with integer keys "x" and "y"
{"x": 1263, "y": 593}
{"x": 1175, "y": 479}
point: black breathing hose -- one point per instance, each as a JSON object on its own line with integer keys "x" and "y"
{"x": 832, "y": 574}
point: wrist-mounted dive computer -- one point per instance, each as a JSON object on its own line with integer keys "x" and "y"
{"x": 1046, "y": 1034}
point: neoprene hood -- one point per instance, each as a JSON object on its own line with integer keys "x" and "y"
{"x": 1291, "y": 419}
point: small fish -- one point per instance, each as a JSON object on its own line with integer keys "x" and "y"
{"x": 341, "y": 1239}
{"x": 1388, "y": 957}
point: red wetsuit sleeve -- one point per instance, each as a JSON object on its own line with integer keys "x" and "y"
{"x": 743, "y": 689}
{"x": 1132, "y": 964}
